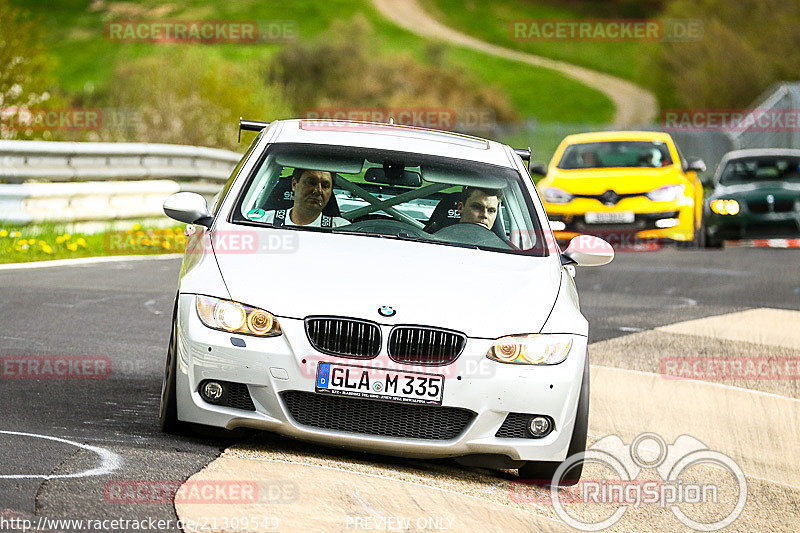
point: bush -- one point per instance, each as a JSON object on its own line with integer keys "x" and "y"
{"x": 746, "y": 47}
{"x": 342, "y": 69}
{"x": 23, "y": 63}
{"x": 189, "y": 98}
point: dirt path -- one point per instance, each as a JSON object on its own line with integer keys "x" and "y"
{"x": 634, "y": 105}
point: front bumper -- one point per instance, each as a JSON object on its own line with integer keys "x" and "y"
{"x": 747, "y": 225}
{"x": 648, "y": 216}
{"x": 271, "y": 367}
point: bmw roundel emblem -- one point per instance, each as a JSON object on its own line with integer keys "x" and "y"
{"x": 386, "y": 311}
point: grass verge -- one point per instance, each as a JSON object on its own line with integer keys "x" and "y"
{"x": 48, "y": 242}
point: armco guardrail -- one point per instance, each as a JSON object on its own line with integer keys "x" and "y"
{"x": 35, "y": 172}
{"x": 68, "y": 161}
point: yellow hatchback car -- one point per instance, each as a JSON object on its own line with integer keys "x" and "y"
{"x": 626, "y": 186}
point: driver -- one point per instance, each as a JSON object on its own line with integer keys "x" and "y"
{"x": 312, "y": 191}
{"x": 479, "y": 206}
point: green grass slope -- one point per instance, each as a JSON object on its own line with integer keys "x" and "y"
{"x": 86, "y": 59}
{"x": 490, "y": 21}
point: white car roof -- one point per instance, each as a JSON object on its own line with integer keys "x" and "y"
{"x": 390, "y": 137}
{"x": 760, "y": 152}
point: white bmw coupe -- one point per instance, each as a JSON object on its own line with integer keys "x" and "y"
{"x": 426, "y": 311}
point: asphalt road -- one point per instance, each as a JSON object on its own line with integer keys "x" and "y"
{"x": 119, "y": 312}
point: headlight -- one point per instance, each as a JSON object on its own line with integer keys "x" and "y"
{"x": 234, "y": 317}
{"x": 725, "y": 207}
{"x": 531, "y": 349}
{"x": 554, "y": 195}
{"x": 668, "y": 193}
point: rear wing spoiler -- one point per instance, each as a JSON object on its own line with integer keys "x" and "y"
{"x": 250, "y": 125}
{"x": 535, "y": 168}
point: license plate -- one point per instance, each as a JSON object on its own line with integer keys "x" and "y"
{"x": 611, "y": 217}
{"x": 379, "y": 383}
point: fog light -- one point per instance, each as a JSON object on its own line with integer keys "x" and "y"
{"x": 557, "y": 225}
{"x": 212, "y": 392}
{"x": 539, "y": 426}
{"x": 667, "y": 222}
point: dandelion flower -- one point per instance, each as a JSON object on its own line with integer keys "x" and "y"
{"x": 3, "y": 233}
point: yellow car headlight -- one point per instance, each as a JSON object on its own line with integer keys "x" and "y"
{"x": 234, "y": 317}
{"x": 532, "y": 349}
{"x": 668, "y": 193}
{"x": 724, "y": 207}
{"x": 554, "y": 195}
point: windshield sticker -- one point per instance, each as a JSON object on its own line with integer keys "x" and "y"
{"x": 255, "y": 214}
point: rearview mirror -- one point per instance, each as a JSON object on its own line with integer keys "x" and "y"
{"x": 409, "y": 178}
{"x": 538, "y": 168}
{"x": 188, "y": 207}
{"x": 587, "y": 250}
{"x": 695, "y": 164}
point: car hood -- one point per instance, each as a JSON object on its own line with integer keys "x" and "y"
{"x": 480, "y": 293}
{"x": 779, "y": 188}
{"x": 621, "y": 180}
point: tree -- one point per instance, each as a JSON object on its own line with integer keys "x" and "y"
{"x": 23, "y": 63}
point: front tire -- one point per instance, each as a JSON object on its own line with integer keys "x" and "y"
{"x": 168, "y": 409}
{"x": 541, "y": 472}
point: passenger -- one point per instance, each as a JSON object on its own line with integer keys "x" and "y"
{"x": 312, "y": 191}
{"x": 590, "y": 159}
{"x": 479, "y": 206}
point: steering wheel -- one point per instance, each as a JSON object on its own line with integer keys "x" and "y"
{"x": 468, "y": 233}
{"x": 386, "y": 226}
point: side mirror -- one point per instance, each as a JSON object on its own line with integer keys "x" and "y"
{"x": 188, "y": 207}
{"x": 587, "y": 250}
{"x": 538, "y": 168}
{"x": 696, "y": 165}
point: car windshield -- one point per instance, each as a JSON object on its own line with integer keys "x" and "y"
{"x": 616, "y": 154}
{"x": 390, "y": 194}
{"x": 766, "y": 168}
